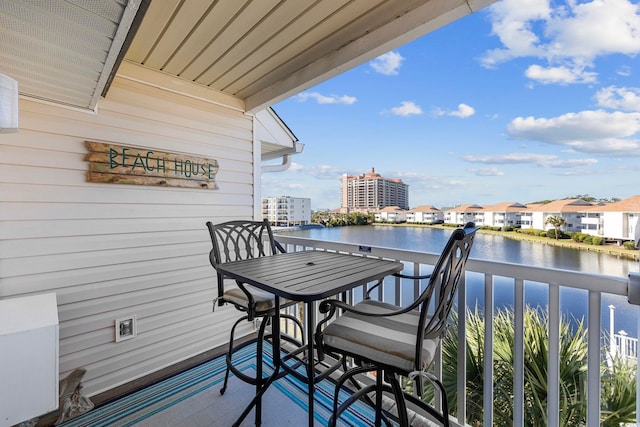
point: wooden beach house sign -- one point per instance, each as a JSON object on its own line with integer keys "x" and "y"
{"x": 117, "y": 164}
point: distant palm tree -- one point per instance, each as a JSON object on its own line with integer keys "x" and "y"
{"x": 556, "y": 222}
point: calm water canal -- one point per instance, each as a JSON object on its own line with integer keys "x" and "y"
{"x": 496, "y": 248}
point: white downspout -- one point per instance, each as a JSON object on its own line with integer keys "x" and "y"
{"x": 286, "y": 162}
{"x": 257, "y": 174}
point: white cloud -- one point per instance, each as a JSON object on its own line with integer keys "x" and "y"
{"x": 619, "y": 98}
{"x": 325, "y": 172}
{"x": 315, "y": 171}
{"x": 407, "y": 108}
{"x": 569, "y": 37}
{"x": 572, "y": 163}
{"x": 512, "y": 22}
{"x": 598, "y": 132}
{"x": 326, "y": 99}
{"x": 624, "y": 71}
{"x": 561, "y": 75}
{"x": 421, "y": 182}
{"x": 513, "y": 158}
{"x": 595, "y": 28}
{"x": 446, "y": 184}
{"x": 493, "y": 171}
{"x": 542, "y": 160}
{"x": 462, "y": 112}
{"x": 291, "y": 186}
{"x": 387, "y": 64}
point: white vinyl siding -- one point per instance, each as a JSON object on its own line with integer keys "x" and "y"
{"x": 111, "y": 250}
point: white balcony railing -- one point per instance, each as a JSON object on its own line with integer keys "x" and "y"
{"x": 487, "y": 273}
{"x": 625, "y": 346}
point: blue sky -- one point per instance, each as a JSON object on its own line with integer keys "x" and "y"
{"x": 522, "y": 101}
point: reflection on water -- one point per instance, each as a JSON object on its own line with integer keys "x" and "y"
{"x": 495, "y": 248}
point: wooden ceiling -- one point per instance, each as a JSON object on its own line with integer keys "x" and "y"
{"x": 256, "y": 51}
{"x": 63, "y": 51}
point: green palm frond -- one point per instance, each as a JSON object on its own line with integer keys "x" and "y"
{"x": 618, "y": 377}
{"x": 618, "y": 392}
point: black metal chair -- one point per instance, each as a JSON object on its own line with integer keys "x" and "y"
{"x": 394, "y": 341}
{"x": 234, "y": 241}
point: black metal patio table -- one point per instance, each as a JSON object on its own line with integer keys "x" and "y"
{"x": 305, "y": 276}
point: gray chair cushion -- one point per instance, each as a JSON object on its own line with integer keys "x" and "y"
{"x": 265, "y": 301}
{"x": 390, "y": 341}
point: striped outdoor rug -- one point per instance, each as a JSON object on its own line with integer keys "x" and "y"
{"x": 161, "y": 398}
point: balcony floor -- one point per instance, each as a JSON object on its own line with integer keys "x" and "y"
{"x": 192, "y": 399}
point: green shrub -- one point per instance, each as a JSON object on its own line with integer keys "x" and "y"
{"x": 507, "y": 228}
{"x": 579, "y": 237}
{"x": 588, "y": 240}
{"x": 629, "y": 245}
{"x": 530, "y": 231}
{"x": 596, "y": 240}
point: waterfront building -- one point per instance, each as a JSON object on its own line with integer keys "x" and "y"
{"x": 425, "y": 214}
{"x": 370, "y": 191}
{"x": 614, "y": 221}
{"x": 592, "y": 221}
{"x": 571, "y": 210}
{"x": 286, "y": 211}
{"x": 391, "y": 214}
{"x": 526, "y": 215}
{"x": 465, "y": 213}
{"x": 506, "y": 214}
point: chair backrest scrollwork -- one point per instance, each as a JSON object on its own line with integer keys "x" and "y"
{"x": 238, "y": 240}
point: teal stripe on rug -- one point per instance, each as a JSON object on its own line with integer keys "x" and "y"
{"x": 138, "y": 406}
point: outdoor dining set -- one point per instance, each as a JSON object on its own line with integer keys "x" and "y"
{"x": 372, "y": 347}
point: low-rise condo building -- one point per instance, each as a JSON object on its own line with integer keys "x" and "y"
{"x": 506, "y": 214}
{"x": 425, "y": 214}
{"x": 465, "y": 213}
{"x": 616, "y": 221}
{"x": 571, "y": 210}
{"x": 613, "y": 221}
{"x": 286, "y": 211}
{"x": 391, "y": 214}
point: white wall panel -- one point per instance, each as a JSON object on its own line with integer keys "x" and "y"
{"x": 53, "y": 228}
{"x": 114, "y": 250}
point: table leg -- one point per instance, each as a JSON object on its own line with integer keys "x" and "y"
{"x": 259, "y": 373}
{"x": 311, "y": 324}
